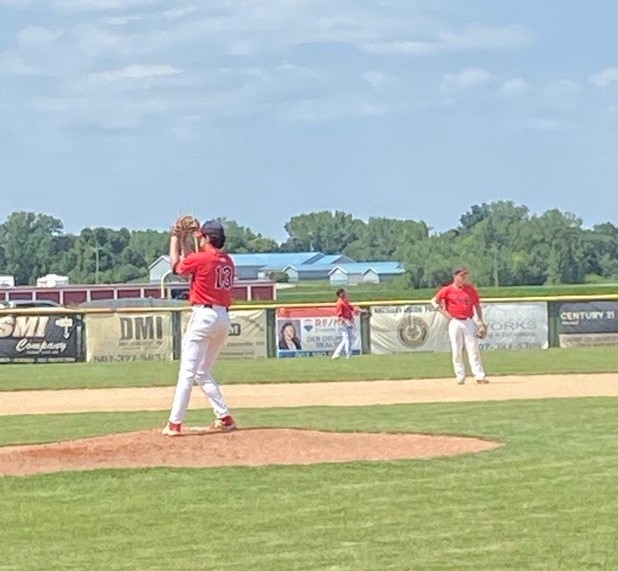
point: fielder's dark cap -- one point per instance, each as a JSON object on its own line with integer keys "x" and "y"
{"x": 215, "y": 231}
{"x": 213, "y": 228}
{"x": 460, "y": 270}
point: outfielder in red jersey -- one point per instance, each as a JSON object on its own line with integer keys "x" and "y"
{"x": 345, "y": 316}
{"x": 212, "y": 275}
{"x": 458, "y": 302}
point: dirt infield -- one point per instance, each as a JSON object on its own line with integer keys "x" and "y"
{"x": 363, "y": 393}
{"x": 256, "y": 447}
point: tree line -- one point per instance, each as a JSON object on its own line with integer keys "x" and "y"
{"x": 503, "y": 244}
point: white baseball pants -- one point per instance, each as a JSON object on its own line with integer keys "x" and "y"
{"x": 348, "y": 334}
{"x": 202, "y": 342}
{"x": 462, "y": 334}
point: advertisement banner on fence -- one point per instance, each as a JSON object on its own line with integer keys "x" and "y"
{"x": 408, "y": 328}
{"x": 39, "y": 338}
{"x": 588, "y": 323}
{"x": 121, "y": 337}
{"x": 247, "y": 338}
{"x": 516, "y": 326}
{"x": 414, "y": 328}
{"x": 309, "y": 332}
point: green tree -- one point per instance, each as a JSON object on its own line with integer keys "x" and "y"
{"x": 381, "y": 238}
{"x": 326, "y": 231}
{"x": 28, "y": 246}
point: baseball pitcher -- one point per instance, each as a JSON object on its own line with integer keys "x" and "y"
{"x": 458, "y": 302}
{"x": 212, "y": 275}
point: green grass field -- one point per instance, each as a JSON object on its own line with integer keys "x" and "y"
{"x": 547, "y": 500}
{"x": 322, "y": 291}
{"x": 369, "y": 367}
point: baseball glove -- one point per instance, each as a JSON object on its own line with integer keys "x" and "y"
{"x": 185, "y": 226}
{"x": 481, "y": 330}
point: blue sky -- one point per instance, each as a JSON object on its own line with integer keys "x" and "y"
{"x": 129, "y": 112}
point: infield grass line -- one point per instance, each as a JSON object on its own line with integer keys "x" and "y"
{"x": 367, "y": 367}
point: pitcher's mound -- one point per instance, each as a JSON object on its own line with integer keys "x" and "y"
{"x": 252, "y": 447}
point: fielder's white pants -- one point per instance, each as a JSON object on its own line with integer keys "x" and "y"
{"x": 202, "y": 342}
{"x": 347, "y": 337}
{"x": 462, "y": 334}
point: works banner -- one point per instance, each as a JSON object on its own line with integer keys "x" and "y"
{"x": 247, "y": 339}
{"x": 588, "y": 323}
{"x": 39, "y": 338}
{"x": 413, "y": 328}
{"x": 516, "y": 326}
{"x": 118, "y": 337}
{"x": 309, "y": 332}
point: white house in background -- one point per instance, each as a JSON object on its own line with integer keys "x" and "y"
{"x": 52, "y": 280}
{"x": 306, "y": 273}
{"x": 7, "y": 281}
{"x": 159, "y": 268}
{"x": 250, "y": 266}
{"x": 333, "y": 260}
{"x": 299, "y": 267}
{"x": 365, "y": 272}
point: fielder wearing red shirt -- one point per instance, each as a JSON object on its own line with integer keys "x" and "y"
{"x": 345, "y": 314}
{"x": 459, "y": 302}
{"x": 212, "y": 274}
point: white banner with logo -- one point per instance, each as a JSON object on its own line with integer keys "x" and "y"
{"x": 414, "y": 328}
{"x": 407, "y": 328}
{"x": 120, "y": 337}
{"x": 247, "y": 338}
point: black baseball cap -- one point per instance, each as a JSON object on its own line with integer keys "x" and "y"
{"x": 460, "y": 270}
{"x": 214, "y": 230}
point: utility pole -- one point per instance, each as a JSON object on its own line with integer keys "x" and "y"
{"x": 96, "y": 250}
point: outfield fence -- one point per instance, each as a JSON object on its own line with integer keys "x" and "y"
{"x": 269, "y": 331}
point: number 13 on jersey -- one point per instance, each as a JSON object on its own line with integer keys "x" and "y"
{"x": 224, "y": 277}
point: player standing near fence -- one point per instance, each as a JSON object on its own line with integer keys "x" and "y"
{"x": 345, "y": 317}
{"x": 212, "y": 275}
{"x": 458, "y": 302}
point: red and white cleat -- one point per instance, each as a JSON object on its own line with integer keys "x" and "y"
{"x": 171, "y": 429}
{"x": 225, "y": 424}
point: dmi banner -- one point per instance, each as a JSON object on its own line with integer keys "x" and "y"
{"x": 129, "y": 337}
{"x": 309, "y": 332}
{"x": 39, "y": 338}
{"x": 413, "y": 328}
{"x": 588, "y": 323}
{"x": 247, "y": 334}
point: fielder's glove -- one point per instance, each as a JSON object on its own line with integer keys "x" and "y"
{"x": 481, "y": 330}
{"x": 185, "y": 226}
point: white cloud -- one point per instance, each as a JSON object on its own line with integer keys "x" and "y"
{"x": 178, "y": 12}
{"x": 486, "y": 38}
{"x": 12, "y": 64}
{"x": 563, "y": 94}
{"x": 466, "y": 78}
{"x": 605, "y": 77}
{"x": 515, "y": 86}
{"x": 102, "y": 111}
{"x": 547, "y": 125}
{"x": 82, "y": 5}
{"x": 378, "y": 80}
{"x": 37, "y": 37}
{"x": 135, "y": 72}
{"x": 101, "y": 5}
